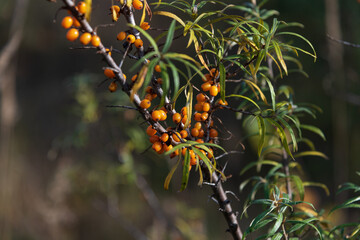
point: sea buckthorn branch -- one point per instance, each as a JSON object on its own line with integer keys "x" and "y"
{"x": 179, "y": 134}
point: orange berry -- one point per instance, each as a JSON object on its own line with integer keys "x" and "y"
{"x": 221, "y": 102}
{"x": 154, "y": 95}
{"x": 199, "y": 140}
{"x": 112, "y": 87}
{"x": 67, "y": 22}
{"x": 204, "y": 116}
{"x": 213, "y": 133}
{"x": 157, "y": 146}
{"x": 72, "y": 34}
{"x": 154, "y": 139}
{"x": 184, "y": 119}
{"x": 193, "y": 160}
{"x": 146, "y": 103}
{"x": 134, "y": 78}
{"x": 206, "y": 86}
{"x": 210, "y": 153}
{"x": 164, "y": 137}
{"x": 207, "y": 77}
{"x": 130, "y": 38}
{"x": 159, "y": 81}
{"x": 95, "y": 41}
{"x": 176, "y": 118}
{"x": 157, "y": 68}
{"x": 137, "y": 4}
{"x": 156, "y": 115}
{"x": 109, "y": 73}
{"x": 183, "y": 133}
{"x": 150, "y": 131}
{"x": 85, "y": 38}
{"x": 197, "y": 125}
{"x": 197, "y": 117}
{"x": 76, "y": 23}
{"x": 201, "y": 97}
{"x": 214, "y": 72}
{"x": 163, "y": 115}
{"x": 201, "y": 133}
{"x": 184, "y": 111}
{"x": 107, "y": 50}
{"x": 199, "y": 106}
{"x": 176, "y": 137}
{"x": 145, "y": 26}
{"x": 149, "y": 96}
{"x": 138, "y": 43}
{"x": 194, "y": 132}
{"x": 167, "y": 148}
{"x": 211, "y": 123}
{"x": 121, "y": 36}
{"x": 149, "y": 89}
{"x": 214, "y": 90}
{"x": 206, "y": 107}
{"x": 82, "y": 7}
{"x": 115, "y": 8}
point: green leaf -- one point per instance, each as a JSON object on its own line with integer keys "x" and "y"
{"x": 272, "y": 92}
{"x": 262, "y": 162}
{"x": 279, "y": 55}
{"x": 347, "y": 204}
{"x": 314, "y": 130}
{"x": 259, "y": 60}
{"x": 310, "y": 153}
{"x": 282, "y": 136}
{"x": 171, "y": 173}
{"x": 262, "y": 131}
{"x": 169, "y": 37}
{"x": 222, "y": 80}
{"x": 175, "y": 79}
{"x": 315, "y": 184}
{"x": 277, "y": 236}
{"x": 299, "y": 185}
{"x": 277, "y": 224}
{"x": 305, "y": 222}
{"x": 291, "y": 131}
{"x": 244, "y": 97}
{"x": 186, "y": 172}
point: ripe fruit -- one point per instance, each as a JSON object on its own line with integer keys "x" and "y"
{"x": 214, "y": 72}
{"x": 159, "y": 81}
{"x": 213, "y": 133}
{"x": 197, "y": 117}
{"x": 194, "y": 132}
{"x": 130, "y": 38}
{"x": 85, "y": 38}
{"x": 176, "y": 137}
{"x": 82, "y": 7}
{"x": 138, "y": 43}
{"x": 134, "y": 78}
{"x": 157, "y": 146}
{"x": 183, "y": 133}
{"x": 214, "y": 90}
{"x": 206, "y": 86}
{"x": 150, "y": 131}
{"x": 167, "y": 148}
{"x": 164, "y": 137}
{"x": 95, "y": 41}
{"x": 223, "y": 103}
{"x": 156, "y": 115}
{"x": 201, "y": 97}
{"x": 207, "y": 77}
{"x": 204, "y": 116}
{"x": 184, "y": 119}
{"x": 184, "y": 111}
{"x": 197, "y": 125}
{"x": 206, "y": 107}
{"x": 121, "y": 36}
{"x": 146, "y": 103}
{"x": 109, "y": 73}
{"x": 72, "y": 34}
{"x": 137, "y": 4}
{"x": 154, "y": 139}
{"x": 163, "y": 115}
{"x": 199, "y": 106}
{"x": 145, "y": 26}
{"x": 201, "y": 133}
{"x": 176, "y": 118}
{"x": 76, "y": 23}
{"x": 67, "y": 22}
{"x": 157, "y": 68}
{"x": 112, "y": 87}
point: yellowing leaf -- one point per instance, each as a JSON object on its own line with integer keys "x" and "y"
{"x": 171, "y": 15}
{"x": 139, "y": 81}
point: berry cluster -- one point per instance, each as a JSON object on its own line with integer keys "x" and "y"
{"x": 181, "y": 129}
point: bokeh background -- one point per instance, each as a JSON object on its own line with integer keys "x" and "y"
{"x": 71, "y": 168}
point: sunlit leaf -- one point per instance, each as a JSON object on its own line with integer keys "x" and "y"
{"x": 171, "y": 173}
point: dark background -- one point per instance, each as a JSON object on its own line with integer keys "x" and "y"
{"x": 73, "y": 169}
